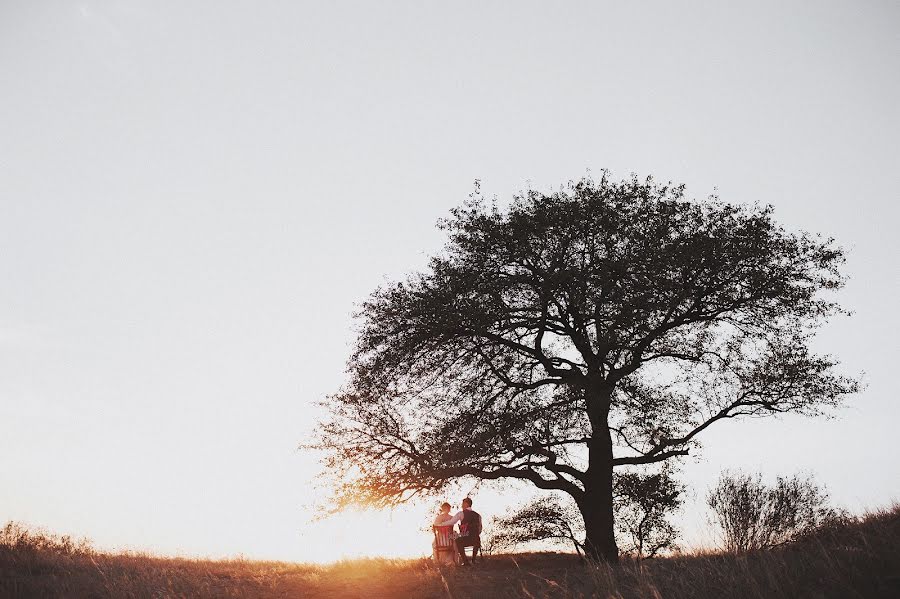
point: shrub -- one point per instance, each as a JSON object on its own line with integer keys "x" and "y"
{"x": 752, "y": 515}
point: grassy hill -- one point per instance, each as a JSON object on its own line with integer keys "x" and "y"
{"x": 858, "y": 557}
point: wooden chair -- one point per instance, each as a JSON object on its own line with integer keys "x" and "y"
{"x": 444, "y": 546}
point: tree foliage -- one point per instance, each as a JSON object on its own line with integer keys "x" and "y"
{"x": 567, "y": 334}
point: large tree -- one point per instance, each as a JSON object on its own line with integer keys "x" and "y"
{"x": 571, "y": 333}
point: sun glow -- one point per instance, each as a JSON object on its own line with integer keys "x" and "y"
{"x": 401, "y": 533}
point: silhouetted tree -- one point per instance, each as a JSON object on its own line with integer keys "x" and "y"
{"x": 752, "y": 515}
{"x": 642, "y": 504}
{"x": 545, "y": 519}
{"x": 604, "y": 325}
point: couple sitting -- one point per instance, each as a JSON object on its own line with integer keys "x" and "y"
{"x": 445, "y": 540}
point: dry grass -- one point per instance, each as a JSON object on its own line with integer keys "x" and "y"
{"x": 854, "y": 558}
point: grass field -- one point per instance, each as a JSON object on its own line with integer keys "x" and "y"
{"x": 859, "y": 557}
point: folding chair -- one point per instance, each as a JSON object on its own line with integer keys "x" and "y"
{"x": 445, "y": 553}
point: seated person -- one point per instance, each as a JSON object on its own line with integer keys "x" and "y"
{"x": 469, "y": 530}
{"x": 443, "y": 518}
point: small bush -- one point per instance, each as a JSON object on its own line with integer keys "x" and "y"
{"x": 751, "y": 515}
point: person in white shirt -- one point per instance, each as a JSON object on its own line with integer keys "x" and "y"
{"x": 441, "y": 519}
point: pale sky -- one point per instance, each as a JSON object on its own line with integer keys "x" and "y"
{"x": 195, "y": 195}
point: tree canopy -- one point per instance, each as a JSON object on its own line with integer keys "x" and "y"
{"x": 570, "y": 333}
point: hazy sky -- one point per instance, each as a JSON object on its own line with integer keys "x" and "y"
{"x": 194, "y": 196}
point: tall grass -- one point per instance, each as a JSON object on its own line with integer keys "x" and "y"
{"x": 847, "y": 558}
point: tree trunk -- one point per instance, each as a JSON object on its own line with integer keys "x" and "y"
{"x": 597, "y": 506}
